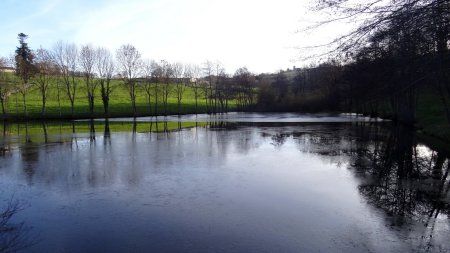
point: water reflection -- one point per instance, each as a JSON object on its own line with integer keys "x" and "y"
{"x": 396, "y": 172}
{"x": 405, "y": 182}
{"x": 399, "y": 174}
{"x": 14, "y": 236}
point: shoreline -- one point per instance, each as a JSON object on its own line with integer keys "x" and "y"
{"x": 440, "y": 141}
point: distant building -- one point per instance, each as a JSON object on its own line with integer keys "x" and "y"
{"x": 7, "y": 69}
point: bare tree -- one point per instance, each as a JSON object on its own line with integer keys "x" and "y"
{"x": 45, "y": 68}
{"x": 195, "y": 73}
{"x": 105, "y": 70}
{"x": 222, "y": 91}
{"x": 129, "y": 63}
{"x": 6, "y": 85}
{"x": 188, "y": 79}
{"x": 87, "y": 59}
{"x": 157, "y": 78}
{"x": 58, "y": 78}
{"x": 245, "y": 86}
{"x": 167, "y": 74}
{"x": 219, "y": 77}
{"x": 66, "y": 57}
{"x": 180, "y": 87}
{"x": 208, "y": 69}
{"x": 147, "y": 69}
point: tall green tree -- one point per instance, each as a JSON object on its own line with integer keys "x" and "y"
{"x": 24, "y": 67}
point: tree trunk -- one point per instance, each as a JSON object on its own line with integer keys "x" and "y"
{"x": 2, "y": 100}
{"x": 106, "y": 107}
{"x": 72, "y": 108}
{"x": 156, "y": 99}
{"x": 25, "y": 104}
{"x": 59, "y": 101}
{"x": 91, "y": 105}
{"x": 17, "y": 105}
{"x": 196, "y": 103}
{"x": 149, "y": 106}
{"x": 43, "y": 104}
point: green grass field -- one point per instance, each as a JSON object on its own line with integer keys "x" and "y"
{"x": 120, "y": 103}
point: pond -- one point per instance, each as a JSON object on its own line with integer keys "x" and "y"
{"x": 230, "y": 183}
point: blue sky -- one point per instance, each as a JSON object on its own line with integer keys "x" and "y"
{"x": 260, "y": 35}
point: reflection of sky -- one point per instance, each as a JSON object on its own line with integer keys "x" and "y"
{"x": 200, "y": 189}
{"x": 424, "y": 151}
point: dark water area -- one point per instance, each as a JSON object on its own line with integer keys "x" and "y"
{"x": 236, "y": 185}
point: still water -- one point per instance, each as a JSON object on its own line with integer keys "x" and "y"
{"x": 237, "y": 183}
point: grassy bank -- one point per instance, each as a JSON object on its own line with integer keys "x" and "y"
{"x": 430, "y": 115}
{"x": 120, "y": 103}
{"x": 431, "y": 119}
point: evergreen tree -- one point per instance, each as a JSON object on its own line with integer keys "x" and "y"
{"x": 24, "y": 67}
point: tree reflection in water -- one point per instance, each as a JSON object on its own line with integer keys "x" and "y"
{"x": 406, "y": 179}
{"x": 399, "y": 175}
{"x": 14, "y": 236}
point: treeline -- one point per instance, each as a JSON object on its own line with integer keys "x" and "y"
{"x": 311, "y": 89}
{"x": 400, "y": 50}
{"x": 67, "y": 66}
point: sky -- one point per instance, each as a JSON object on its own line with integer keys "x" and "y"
{"x": 260, "y": 35}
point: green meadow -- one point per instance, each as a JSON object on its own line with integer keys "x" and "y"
{"x": 120, "y": 103}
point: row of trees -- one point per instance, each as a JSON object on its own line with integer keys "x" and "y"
{"x": 66, "y": 65}
{"x": 315, "y": 88}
